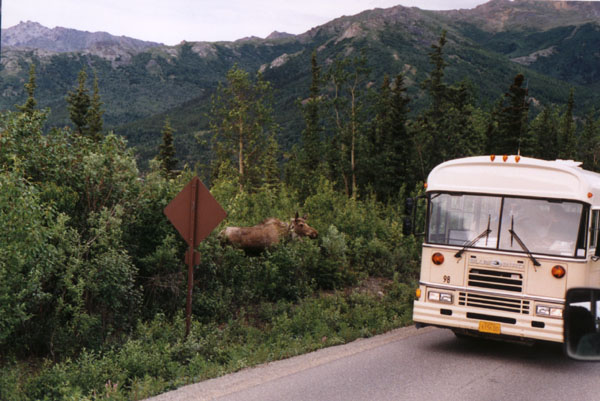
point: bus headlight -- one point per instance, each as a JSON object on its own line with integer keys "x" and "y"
{"x": 549, "y": 311}
{"x": 442, "y": 297}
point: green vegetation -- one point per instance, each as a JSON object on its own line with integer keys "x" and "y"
{"x": 140, "y": 91}
{"x": 92, "y": 281}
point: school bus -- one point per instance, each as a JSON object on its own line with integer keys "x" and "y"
{"x": 505, "y": 238}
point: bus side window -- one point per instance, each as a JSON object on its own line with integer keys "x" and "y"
{"x": 594, "y": 229}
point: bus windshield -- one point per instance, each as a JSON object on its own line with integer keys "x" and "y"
{"x": 543, "y": 226}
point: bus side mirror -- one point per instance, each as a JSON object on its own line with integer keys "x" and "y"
{"x": 581, "y": 323}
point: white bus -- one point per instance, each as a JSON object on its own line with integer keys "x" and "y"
{"x": 506, "y": 236}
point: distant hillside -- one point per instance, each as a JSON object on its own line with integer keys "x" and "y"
{"x": 31, "y": 35}
{"x": 555, "y": 44}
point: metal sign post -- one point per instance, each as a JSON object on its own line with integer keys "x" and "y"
{"x": 194, "y": 213}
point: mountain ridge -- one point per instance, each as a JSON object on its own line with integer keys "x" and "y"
{"x": 33, "y": 35}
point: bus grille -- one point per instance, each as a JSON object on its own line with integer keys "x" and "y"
{"x": 494, "y": 303}
{"x": 497, "y": 280}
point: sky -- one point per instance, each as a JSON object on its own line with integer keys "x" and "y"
{"x": 172, "y": 21}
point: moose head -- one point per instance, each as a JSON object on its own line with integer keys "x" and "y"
{"x": 300, "y": 228}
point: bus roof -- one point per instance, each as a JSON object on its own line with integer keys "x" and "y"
{"x": 521, "y": 176}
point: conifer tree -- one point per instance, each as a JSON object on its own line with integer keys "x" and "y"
{"x": 166, "y": 155}
{"x": 445, "y": 129}
{"x": 567, "y": 146}
{"x": 434, "y": 83}
{"x": 310, "y": 154}
{"x": 95, "y": 112}
{"x": 271, "y": 173}
{"x": 401, "y": 140}
{"x": 589, "y": 149}
{"x": 511, "y": 118}
{"x": 29, "y": 106}
{"x": 79, "y": 104}
{"x": 544, "y": 131}
{"x": 388, "y": 145}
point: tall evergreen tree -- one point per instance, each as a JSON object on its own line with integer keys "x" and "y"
{"x": 567, "y": 145}
{"x": 166, "y": 155}
{"x": 310, "y": 154}
{"x": 461, "y": 137}
{"x": 511, "y": 120}
{"x": 445, "y": 129}
{"x": 29, "y": 106}
{"x": 271, "y": 174}
{"x": 79, "y": 103}
{"x": 544, "y": 130}
{"x": 589, "y": 149}
{"x": 95, "y": 112}
{"x": 401, "y": 140}
{"x": 388, "y": 145}
{"x": 434, "y": 84}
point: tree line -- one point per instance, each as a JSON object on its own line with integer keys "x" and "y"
{"x": 364, "y": 138}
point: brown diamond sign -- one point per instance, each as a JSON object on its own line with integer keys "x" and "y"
{"x": 194, "y": 213}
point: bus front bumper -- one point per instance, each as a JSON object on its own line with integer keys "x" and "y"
{"x": 487, "y": 322}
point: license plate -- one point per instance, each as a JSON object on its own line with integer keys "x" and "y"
{"x": 489, "y": 327}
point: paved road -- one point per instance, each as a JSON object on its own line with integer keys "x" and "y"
{"x": 409, "y": 364}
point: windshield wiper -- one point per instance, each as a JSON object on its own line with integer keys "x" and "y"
{"x": 514, "y": 235}
{"x": 469, "y": 244}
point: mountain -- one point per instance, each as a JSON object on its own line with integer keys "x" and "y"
{"x": 527, "y": 15}
{"x": 31, "y": 35}
{"x": 554, "y": 44}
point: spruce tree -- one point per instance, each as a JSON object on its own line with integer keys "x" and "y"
{"x": 29, "y": 106}
{"x": 95, "y": 112}
{"x": 445, "y": 129}
{"x": 271, "y": 173}
{"x": 589, "y": 150}
{"x": 166, "y": 154}
{"x": 567, "y": 146}
{"x": 434, "y": 83}
{"x": 310, "y": 154}
{"x": 401, "y": 140}
{"x": 389, "y": 147}
{"x": 511, "y": 119}
{"x": 79, "y": 104}
{"x": 544, "y": 131}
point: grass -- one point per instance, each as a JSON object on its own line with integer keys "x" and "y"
{"x": 157, "y": 358}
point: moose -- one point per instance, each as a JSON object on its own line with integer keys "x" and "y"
{"x": 267, "y": 234}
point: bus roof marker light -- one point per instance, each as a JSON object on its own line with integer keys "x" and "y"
{"x": 492, "y": 157}
{"x": 504, "y": 158}
{"x": 517, "y": 158}
{"x": 590, "y": 195}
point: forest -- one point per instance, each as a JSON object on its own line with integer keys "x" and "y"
{"x": 92, "y": 276}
